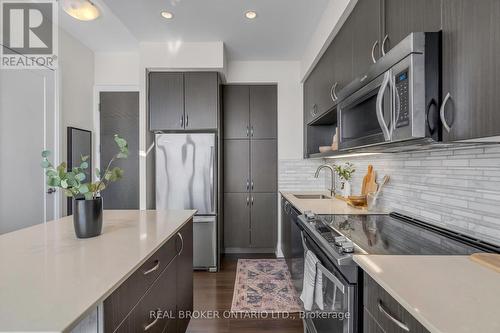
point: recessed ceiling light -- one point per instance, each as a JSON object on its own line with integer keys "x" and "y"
{"x": 167, "y": 15}
{"x": 83, "y": 10}
{"x": 251, "y": 15}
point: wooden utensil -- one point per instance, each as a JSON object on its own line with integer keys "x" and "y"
{"x": 369, "y": 183}
{"x": 489, "y": 260}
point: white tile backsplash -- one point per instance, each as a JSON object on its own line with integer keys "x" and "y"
{"x": 455, "y": 188}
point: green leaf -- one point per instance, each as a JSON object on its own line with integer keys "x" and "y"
{"x": 54, "y": 182}
{"x": 68, "y": 193}
{"x": 98, "y": 173}
{"x": 45, "y": 164}
{"x": 108, "y": 175}
{"x": 64, "y": 183}
{"x": 88, "y": 195}
{"x": 122, "y": 155}
{"x": 83, "y": 188}
{"x": 80, "y": 177}
{"x": 121, "y": 142}
{"x": 84, "y": 158}
{"x": 45, "y": 153}
{"x": 51, "y": 173}
{"x": 84, "y": 165}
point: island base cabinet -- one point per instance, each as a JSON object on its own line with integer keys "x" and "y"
{"x": 166, "y": 302}
{"x": 155, "y": 312}
{"x": 184, "y": 278}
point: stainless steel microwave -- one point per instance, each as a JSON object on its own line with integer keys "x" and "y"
{"x": 397, "y": 101}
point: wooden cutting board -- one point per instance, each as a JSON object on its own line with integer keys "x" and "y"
{"x": 489, "y": 260}
{"x": 369, "y": 183}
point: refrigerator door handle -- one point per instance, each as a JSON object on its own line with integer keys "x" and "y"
{"x": 212, "y": 177}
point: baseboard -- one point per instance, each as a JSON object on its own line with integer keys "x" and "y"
{"x": 239, "y": 250}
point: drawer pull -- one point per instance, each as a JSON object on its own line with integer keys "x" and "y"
{"x": 153, "y": 323}
{"x": 400, "y": 324}
{"x": 151, "y": 270}
{"x": 182, "y": 243}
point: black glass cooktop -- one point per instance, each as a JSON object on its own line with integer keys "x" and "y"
{"x": 399, "y": 235}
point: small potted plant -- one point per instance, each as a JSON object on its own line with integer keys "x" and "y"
{"x": 87, "y": 203}
{"x": 345, "y": 174}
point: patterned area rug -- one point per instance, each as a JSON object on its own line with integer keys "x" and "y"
{"x": 264, "y": 285}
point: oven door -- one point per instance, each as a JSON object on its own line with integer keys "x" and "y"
{"x": 365, "y": 116}
{"x": 334, "y": 306}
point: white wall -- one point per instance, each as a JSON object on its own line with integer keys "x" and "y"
{"x": 286, "y": 74}
{"x": 329, "y": 25}
{"x": 76, "y": 86}
{"x": 121, "y": 68}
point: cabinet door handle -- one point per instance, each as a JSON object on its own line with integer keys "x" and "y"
{"x": 251, "y": 186}
{"x": 383, "y": 44}
{"x": 182, "y": 121}
{"x": 251, "y": 130}
{"x": 153, "y": 323}
{"x": 400, "y": 324}
{"x": 442, "y": 112}
{"x": 333, "y": 92}
{"x": 248, "y": 131}
{"x": 187, "y": 120}
{"x": 373, "y": 51}
{"x": 314, "y": 110}
{"x": 248, "y": 184}
{"x": 252, "y": 201}
{"x": 248, "y": 201}
{"x": 182, "y": 243}
{"x": 154, "y": 268}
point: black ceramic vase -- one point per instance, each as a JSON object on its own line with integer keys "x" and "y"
{"x": 87, "y": 217}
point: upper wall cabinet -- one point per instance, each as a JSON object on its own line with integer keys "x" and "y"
{"x": 402, "y": 17}
{"x": 319, "y": 87}
{"x": 183, "y": 101}
{"x": 471, "y": 68}
{"x": 263, "y": 112}
{"x": 365, "y": 24}
{"x": 166, "y": 101}
{"x": 201, "y": 100}
{"x": 250, "y": 112}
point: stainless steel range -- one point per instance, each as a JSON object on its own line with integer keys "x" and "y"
{"x": 334, "y": 239}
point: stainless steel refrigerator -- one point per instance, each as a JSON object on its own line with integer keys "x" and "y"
{"x": 186, "y": 178}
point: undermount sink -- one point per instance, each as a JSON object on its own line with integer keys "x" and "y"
{"x": 311, "y": 196}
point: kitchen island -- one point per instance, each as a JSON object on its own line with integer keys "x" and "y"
{"x": 51, "y": 280}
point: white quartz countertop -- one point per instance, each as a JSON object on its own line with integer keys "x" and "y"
{"x": 326, "y": 206}
{"x": 49, "y": 279}
{"x": 446, "y": 294}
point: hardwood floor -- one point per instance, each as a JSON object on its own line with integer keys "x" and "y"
{"x": 214, "y": 292}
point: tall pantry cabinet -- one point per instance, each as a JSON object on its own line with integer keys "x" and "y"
{"x": 250, "y": 167}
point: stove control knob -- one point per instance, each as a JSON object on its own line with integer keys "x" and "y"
{"x": 348, "y": 247}
{"x": 339, "y": 240}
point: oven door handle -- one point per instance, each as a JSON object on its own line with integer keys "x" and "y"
{"x": 338, "y": 284}
{"x": 380, "y": 112}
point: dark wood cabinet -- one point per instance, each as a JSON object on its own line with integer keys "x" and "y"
{"x": 166, "y": 101}
{"x": 236, "y": 220}
{"x": 184, "y": 271}
{"x": 366, "y": 29}
{"x": 263, "y": 217}
{"x": 156, "y": 310}
{"x": 384, "y": 312}
{"x": 402, "y": 17}
{"x": 236, "y": 111}
{"x": 263, "y": 112}
{"x": 321, "y": 81}
{"x": 179, "y": 101}
{"x": 263, "y": 166}
{"x": 342, "y": 57}
{"x": 153, "y": 295}
{"x": 201, "y": 100}
{"x": 471, "y": 48}
{"x": 236, "y": 166}
{"x": 250, "y": 165}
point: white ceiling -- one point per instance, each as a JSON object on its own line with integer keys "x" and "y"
{"x": 280, "y": 32}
